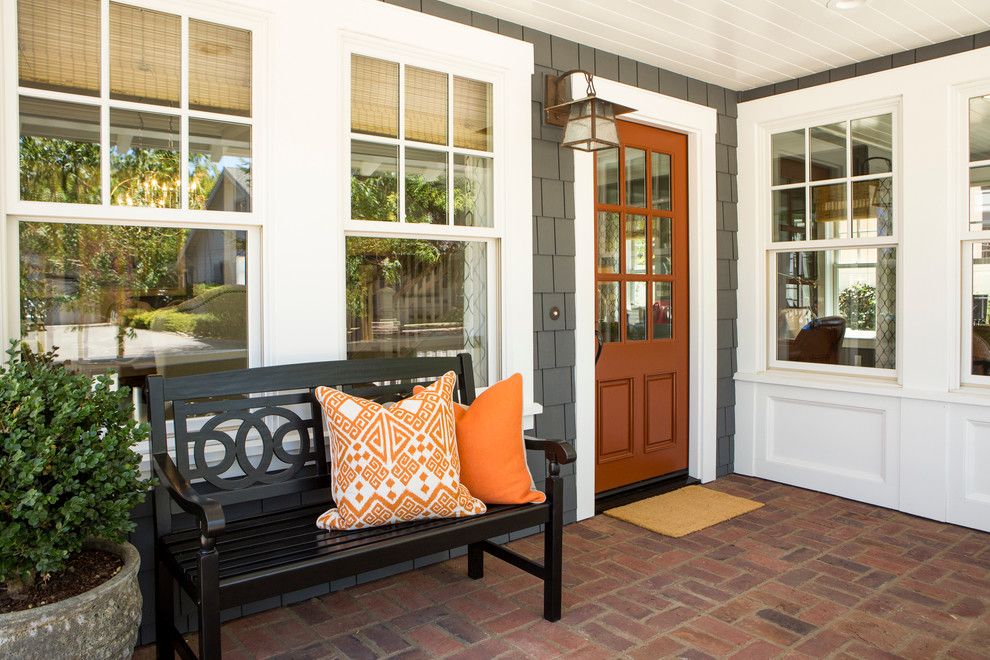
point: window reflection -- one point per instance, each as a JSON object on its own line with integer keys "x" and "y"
{"x": 219, "y": 166}
{"x": 59, "y": 151}
{"x": 144, "y": 159}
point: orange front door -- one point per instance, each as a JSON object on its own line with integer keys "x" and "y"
{"x": 641, "y": 372}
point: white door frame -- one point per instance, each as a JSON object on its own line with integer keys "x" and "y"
{"x": 700, "y": 125}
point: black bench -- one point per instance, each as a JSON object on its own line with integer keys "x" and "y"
{"x": 220, "y": 422}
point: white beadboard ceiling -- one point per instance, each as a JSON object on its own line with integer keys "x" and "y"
{"x": 742, "y": 44}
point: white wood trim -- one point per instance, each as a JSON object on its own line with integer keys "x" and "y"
{"x": 700, "y": 125}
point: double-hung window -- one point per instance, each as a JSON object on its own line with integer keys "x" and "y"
{"x": 423, "y": 235}
{"x": 976, "y": 244}
{"x": 130, "y": 188}
{"x": 832, "y": 257}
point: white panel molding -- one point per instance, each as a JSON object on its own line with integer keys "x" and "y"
{"x": 968, "y": 474}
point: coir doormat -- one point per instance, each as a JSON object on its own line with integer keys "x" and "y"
{"x": 683, "y": 511}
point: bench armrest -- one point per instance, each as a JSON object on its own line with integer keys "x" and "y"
{"x": 208, "y": 511}
{"x": 556, "y": 451}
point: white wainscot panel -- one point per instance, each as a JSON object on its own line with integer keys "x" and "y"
{"x": 969, "y": 467}
{"x": 833, "y": 442}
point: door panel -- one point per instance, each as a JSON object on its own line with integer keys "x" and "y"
{"x": 641, "y": 305}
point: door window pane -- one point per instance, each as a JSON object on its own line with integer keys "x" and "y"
{"x": 374, "y": 96}
{"x": 426, "y": 105}
{"x": 660, "y": 174}
{"x": 607, "y": 164}
{"x": 636, "y": 244}
{"x": 828, "y": 151}
{"x": 59, "y": 151}
{"x": 58, "y": 45}
{"x": 416, "y": 298}
{"x": 608, "y": 311}
{"x": 608, "y": 242}
{"x": 871, "y": 144}
{"x": 472, "y": 114}
{"x": 873, "y": 207}
{"x": 663, "y": 310}
{"x": 979, "y": 198}
{"x": 145, "y": 58}
{"x": 635, "y": 310}
{"x": 660, "y": 244}
{"x": 828, "y": 211}
{"x": 787, "y": 153}
{"x": 219, "y": 165}
{"x": 789, "y": 214}
{"x": 137, "y": 300}
{"x": 374, "y": 177}
{"x": 219, "y": 68}
{"x": 837, "y": 307}
{"x": 979, "y": 128}
{"x": 426, "y": 186}
{"x": 980, "y": 264}
{"x": 635, "y": 177}
{"x": 474, "y": 190}
{"x": 144, "y": 159}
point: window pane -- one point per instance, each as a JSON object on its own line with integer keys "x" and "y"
{"x": 828, "y": 151}
{"x": 426, "y": 186}
{"x": 789, "y": 212}
{"x": 608, "y": 242}
{"x": 59, "y": 151}
{"x": 607, "y": 164}
{"x": 837, "y": 307}
{"x": 608, "y": 311}
{"x": 374, "y": 182}
{"x": 219, "y": 166}
{"x": 636, "y": 244}
{"x": 635, "y": 177}
{"x": 220, "y": 71}
{"x": 663, "y": 310}
{"x": 474, "y": 190}
{"x": 661, "y": 181}
{"x": 137, "y": 300}
{"x": 871, "y": 144}
{"x": 144, "y": 159}
{"x": 413, "y": 298}
{"x": 980, "y": 255}
{"x": 144, "y": 55}
{"x": 787, "y": 151}
{"x": 873, "y": 207}
{"x": 828, "y": 211}
{"x": 979, "y": 128}
{"x": 374, "y": 96}
{"x": 979, "y": 198}
{"x": 635, "y": 310}
{"x": 660, "y": 245}
{"x": 426, "y": 105}
{"x": 58, "y": 45}
{"x": 472, "y": 114}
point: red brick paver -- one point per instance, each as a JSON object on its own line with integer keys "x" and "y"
{"x": 808, "y": 575}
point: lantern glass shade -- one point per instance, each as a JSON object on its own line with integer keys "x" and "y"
{"x": 591, "y": 126}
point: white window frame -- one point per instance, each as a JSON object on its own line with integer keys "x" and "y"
{"x": 770, "y": 247}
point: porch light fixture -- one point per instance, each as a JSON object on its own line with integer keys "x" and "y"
{"x": 589, "y": 121}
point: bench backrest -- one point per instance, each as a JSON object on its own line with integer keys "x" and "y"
{"x": 253, "y": 434}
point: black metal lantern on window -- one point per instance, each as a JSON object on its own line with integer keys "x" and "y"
{"x": 589, "y": 121}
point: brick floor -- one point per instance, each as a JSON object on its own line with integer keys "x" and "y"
{"x": 808, "y": 575}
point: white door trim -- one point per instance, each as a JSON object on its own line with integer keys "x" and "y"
{"x": 700, "y": 125}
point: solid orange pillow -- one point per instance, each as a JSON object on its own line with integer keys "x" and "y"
{"x": 491, "y": 448}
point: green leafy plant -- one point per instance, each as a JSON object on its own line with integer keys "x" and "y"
{"x": 858, "y": 304}
{"x": 67, "y": 468}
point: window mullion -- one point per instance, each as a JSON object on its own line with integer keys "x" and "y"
{"x": 184, "y": 118}
{"x": 450, "y": 149}
{"x": 401, "y": 170}
{"x": 105, "y": 196}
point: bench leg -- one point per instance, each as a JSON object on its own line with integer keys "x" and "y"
{"x": 553, "y": 545}
{"x": 209, "y": 604}
{"x": 476, "y": 562}
{"x": 164, "y": 612}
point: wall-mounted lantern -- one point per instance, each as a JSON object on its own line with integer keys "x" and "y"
{"x": 589, "y": 121}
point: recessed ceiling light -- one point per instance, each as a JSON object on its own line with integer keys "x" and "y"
{"x": 845, "y": 5}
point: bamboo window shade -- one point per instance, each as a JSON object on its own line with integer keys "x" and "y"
{"x": 59, "y": 49}
{"x": 145, "y": 55}
{"x": 829, "y": 203}
{"x": 426, "y": 105}
{"x": 374, "y": 96}
{"x": 219, "y": 68}
{"x": 472, "y": 114}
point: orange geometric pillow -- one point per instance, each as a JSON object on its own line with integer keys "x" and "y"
{"x": 490, "y": 445}
{"x": 396, "y": 464}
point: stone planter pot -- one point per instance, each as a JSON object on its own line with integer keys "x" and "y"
{"x": 100, "y": 623}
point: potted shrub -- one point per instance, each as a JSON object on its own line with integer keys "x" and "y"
{"x": 69, "y": 479}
